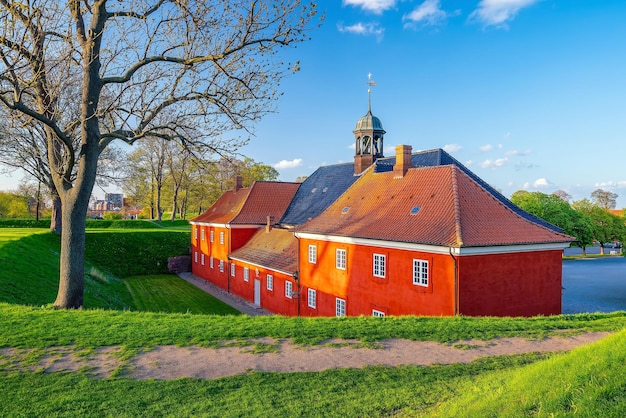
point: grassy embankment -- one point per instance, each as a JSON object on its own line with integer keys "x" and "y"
{"x": 586, "y": 382}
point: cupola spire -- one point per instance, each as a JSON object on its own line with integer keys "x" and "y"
{"x": 368, "y": 135}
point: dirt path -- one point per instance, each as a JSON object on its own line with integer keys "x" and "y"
{"x": 173, "y": 362}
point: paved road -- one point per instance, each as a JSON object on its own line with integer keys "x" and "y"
{"x": 594, "y": 285}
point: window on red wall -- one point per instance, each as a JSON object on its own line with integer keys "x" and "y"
{"x": 202, "y": 259}
{"x": 288, "y": 289}
{"x": 246, "y": 274}
{"x": 195, "y": 232}
{"x": 420, "y": 273}
{"x": 312, "y": 298}
{"x": 340, "y": 307}
{"x": 232, "y": 269}
{"x": 222, "y": 238}
{"x": 195, "y": 256}
{"x": 221, "y": 266}
{"x": 211, "y": 235}
{"x": 380, "y": 263}
{"x": 340, "y": 259}
{"x": 312, "y": 254}
{"x": 202, "y": 234}
{"x": 270, "y": 282}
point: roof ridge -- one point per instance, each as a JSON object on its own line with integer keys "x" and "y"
{"x": 457, "y": 206}
{"x": 516, "y": 214}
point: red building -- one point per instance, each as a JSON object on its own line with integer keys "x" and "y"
{"x": 414, "y": 234}
{"x": 230, "y": 223}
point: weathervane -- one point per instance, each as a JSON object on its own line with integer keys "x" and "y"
{"x": 370, "y": 83}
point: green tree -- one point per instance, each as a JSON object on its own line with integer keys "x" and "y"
{"x": 13, "y": 206}
{"x": 170, "y": 69}
{"x": 606, "y": 226}
{"x": 552, "y": 208}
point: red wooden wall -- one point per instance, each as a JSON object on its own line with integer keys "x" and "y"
{"x": 515, "y": 284}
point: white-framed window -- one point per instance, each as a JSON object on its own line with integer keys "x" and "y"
{"x": 232, "y": 269}
{"x": 246, "y": 274}
{"x": 377, "y": 313}
{"x": 312, "y": 254}
{"x": 288, "y": 289}
{"x": 270, "y": 282}
{"x": 221, "y": 266}
{"x": 201, "y": 234}
{"x": 202, "y": 259}
{"x": 195, "y": 232}
{"x": 211, "y": 235}
{"x": 340, "y": 259}
{"x": 340, "y": 307}
{"x": 222, "y": 237}
{"x": 211, "y": 261}
{"x": 420, "y": 272}
{"x": 195, "y": 256}
{"x": 312, "y": 298}
{"x": 379, "y": 265}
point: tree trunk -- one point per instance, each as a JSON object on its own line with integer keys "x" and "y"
{"x": 72, "y": 260}
{"x": 174, "y": 204}
{"x": 158, "y": 203}
{"x": 56, "y": 219}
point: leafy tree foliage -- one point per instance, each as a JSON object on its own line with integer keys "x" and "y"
{"x": 558, "y": 212}
{"x": 606, "y": 226}
{"x": 13, "y": 206}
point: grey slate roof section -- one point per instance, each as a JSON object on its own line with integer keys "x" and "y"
{"x": 438, "y": 157}
{"x": 317, "y": 192}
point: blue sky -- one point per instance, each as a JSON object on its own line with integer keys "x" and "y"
{"x": 529, "y": 94}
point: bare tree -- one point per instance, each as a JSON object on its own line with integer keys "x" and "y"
{"x": 143, "y": 68}
{"x": 604, "y": 199}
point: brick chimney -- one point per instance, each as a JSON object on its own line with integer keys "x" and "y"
{"x": 403, "y": 160}
{"x": 238, "y": 183}
{"x": 270, "y": 221}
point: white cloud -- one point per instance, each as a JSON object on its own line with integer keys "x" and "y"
{"x": 486, "y": 148}
{"x": 611, "y": 184}
{"x": 542, "y": 183}
{"x": 288, "y": 164}
{"x": 452, "y": 147}
{"x": 365, "y": 29}
{"x": 469, "y": 162}
{"x": 374, "y": 6}
{"x": 493, "y": 164}
{"x": 428, "y": 12}
{"x": 498, "y": 12}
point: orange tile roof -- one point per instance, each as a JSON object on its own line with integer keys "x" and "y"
{"x": 251, "y": 205}
{"x": 430, "y": 205}
{"x": 225, "y": 208}
{"x": 266, "y": 198}
{"x": 277, "y": 249}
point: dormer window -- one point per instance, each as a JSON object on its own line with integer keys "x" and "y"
{"x": 345, "y": 210}
{"x": 415, "y": 210}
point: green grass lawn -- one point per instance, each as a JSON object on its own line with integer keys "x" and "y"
{"x": 124, "y": 276}
{"x": 169, "y": 293}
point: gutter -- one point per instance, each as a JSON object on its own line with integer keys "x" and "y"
{"x": 456, "y": 283}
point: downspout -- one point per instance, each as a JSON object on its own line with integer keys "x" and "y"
{"x": 296, "y": 274}
{"x": 456, "y": 283}
{"x": 228, "y": 257}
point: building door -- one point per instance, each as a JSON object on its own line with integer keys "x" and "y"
{"x": 257, "y": 292}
